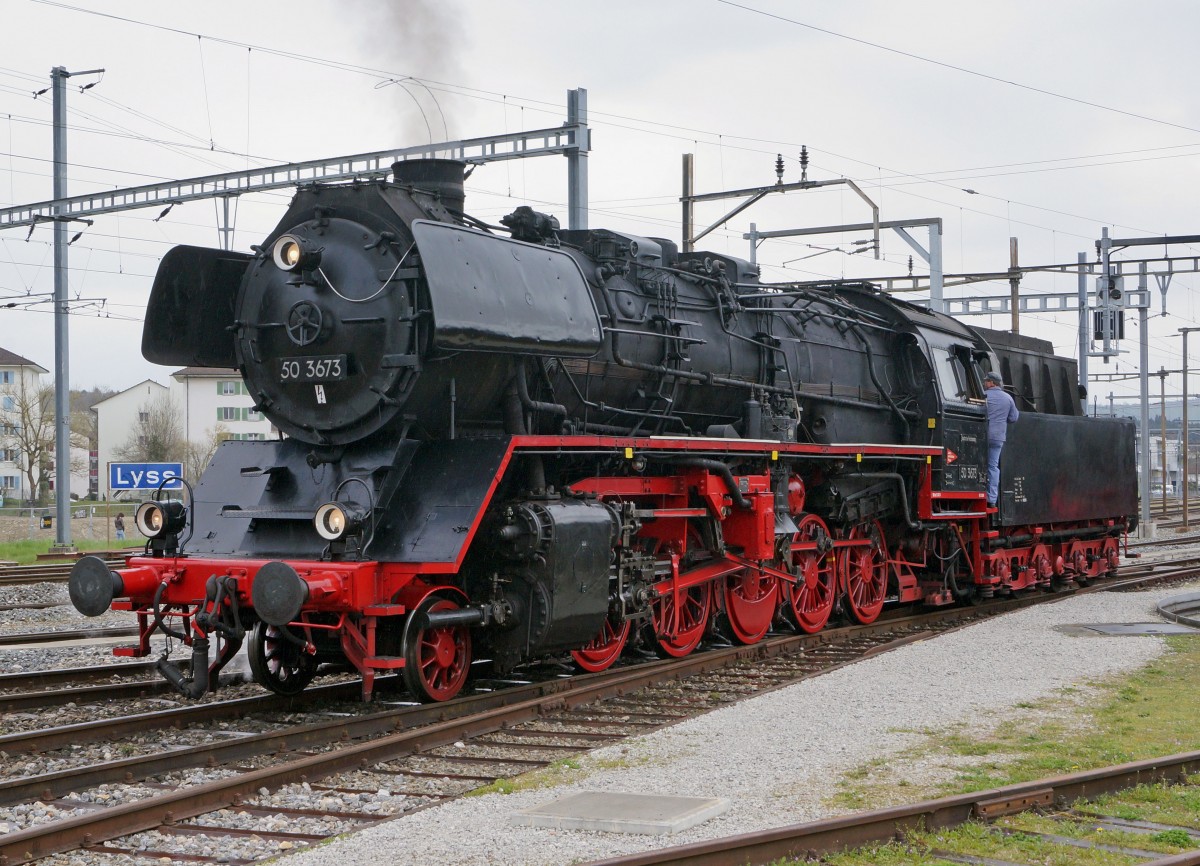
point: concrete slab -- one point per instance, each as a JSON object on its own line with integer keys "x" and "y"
{"x": 1119, "y": 629}
{"x": 615, "y": 812}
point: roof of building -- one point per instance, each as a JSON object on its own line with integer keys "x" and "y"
{"x": 209, "y": 372}
{"x": 12, "y": 359}
{"x": 127, "y": 390}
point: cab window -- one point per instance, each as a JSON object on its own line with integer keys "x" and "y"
{"x": 958, "y": 374}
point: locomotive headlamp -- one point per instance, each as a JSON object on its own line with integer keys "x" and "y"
{"x": 155, "y": 519}
{"x": 294, "y": 253}
{"x": 335, "y": 520}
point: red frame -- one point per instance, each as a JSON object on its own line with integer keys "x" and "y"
{"x": 361, "y": 594}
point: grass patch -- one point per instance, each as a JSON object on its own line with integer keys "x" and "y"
{"x": 558, "y": 773}
{"x": 1022, "y": 838}
{"x": 26, "y": 551}
{"x": 1162, "y": 804}
{"x": 562, "y": 772}
{"x": 1091, "y": 833}
{"x": 1148, "y": 713}
{"x": 1013, "y": 845}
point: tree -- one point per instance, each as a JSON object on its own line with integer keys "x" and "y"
{"x": 83, "y": 420}
{"x": 27, "y": 427}
{"x": 157, "y": 437}
{"x": 198, "y": 454}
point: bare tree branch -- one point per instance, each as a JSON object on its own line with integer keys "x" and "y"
{"x": 158, "y": 435}
{"x": 199, "y": 453}
{"x": 27, "y": 427}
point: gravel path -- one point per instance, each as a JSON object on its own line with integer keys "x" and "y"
{"x": 778, "y": 757}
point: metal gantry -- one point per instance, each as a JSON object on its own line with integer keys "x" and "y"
{"x": 931, "y": 256}
{"x": 571, "y": 140}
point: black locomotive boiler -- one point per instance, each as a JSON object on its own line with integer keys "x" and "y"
{"x": 503, "y": 444}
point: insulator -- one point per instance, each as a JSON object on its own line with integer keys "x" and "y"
{"x": 803, "y": 162}
{"x": 779, "y": 167}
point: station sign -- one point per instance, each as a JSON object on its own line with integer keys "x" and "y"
{"x": 145, "y": 476}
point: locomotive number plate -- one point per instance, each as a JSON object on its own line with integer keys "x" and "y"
{"x": 313, "y": 368}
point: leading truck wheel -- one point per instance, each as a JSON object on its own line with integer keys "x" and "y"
{"x": 277, "y": 662}
{"x": 437, "y": 660}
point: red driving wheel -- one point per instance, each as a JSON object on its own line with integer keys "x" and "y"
{"x": 810, "y": 599}
{"x": 751, "y": 599}
{"x": 604, "y": 649}
{"x": 864, "y": 571}
{"x": 681, "y": 617}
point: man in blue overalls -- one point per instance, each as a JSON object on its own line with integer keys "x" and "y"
{"x": 1001, "y": 411}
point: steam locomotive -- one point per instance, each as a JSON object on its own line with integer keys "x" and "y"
{"x": 506, "y": 443}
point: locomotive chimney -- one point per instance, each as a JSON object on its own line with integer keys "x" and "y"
{"x": 441, "y": 176}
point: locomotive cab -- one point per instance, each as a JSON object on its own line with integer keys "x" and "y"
{"x": 962, "y": 416}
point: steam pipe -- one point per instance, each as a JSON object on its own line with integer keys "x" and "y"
{"x": 514, "y": 418}
{"x": 899, "y": 479}
{"x": 451, "y": 618}
{"x": 721, "y": 469}
{"x": 531, "y": 404}
{"x": 198, "y": 684}
{"x": 158, "y": 620}
{"x": 875, "y": 381}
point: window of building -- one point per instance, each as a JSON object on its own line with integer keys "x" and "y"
{"x": 6, "y": 377}
{"x": 9, "y": 403}
{"x": 253, "y": 415}
{"x": 227, "y": 388}
{"x": 229, "y": 413}
{"x": 143, "y": 417}
{"x": 9, "y": 482}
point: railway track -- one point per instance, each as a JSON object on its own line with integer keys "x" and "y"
{"x": 65, "y": 635}
{"x": 1054, "y": 797}
{"x": 420, "y": 755}
{"x": 463, "y": 744}
{"x": 49, "y": 572}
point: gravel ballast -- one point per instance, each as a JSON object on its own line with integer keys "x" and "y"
{"x": 779, "y": 757}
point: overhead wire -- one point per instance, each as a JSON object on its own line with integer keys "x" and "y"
{"x": 952, "y": 66}
{"x": 353, "y": 67}
{"x": 460, "y": 90}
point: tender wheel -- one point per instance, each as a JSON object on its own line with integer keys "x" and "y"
{"x": 810, "y": 600}
{"x": 751, "y": 599}
{"x": 436, "y": 660}
{"x": 1080, "y": 564}
{"x": 278, "y": 663}
{"x": 604, "y": 649}
{"x": 679, "y": 626}
{"x": 864, "y": 571}
{"x": 1112, "y": 555}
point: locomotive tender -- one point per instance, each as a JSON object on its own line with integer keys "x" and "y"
{"x": 511, "y": 446}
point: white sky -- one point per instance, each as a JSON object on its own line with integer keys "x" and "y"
{"x": 1001, "y": 111}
